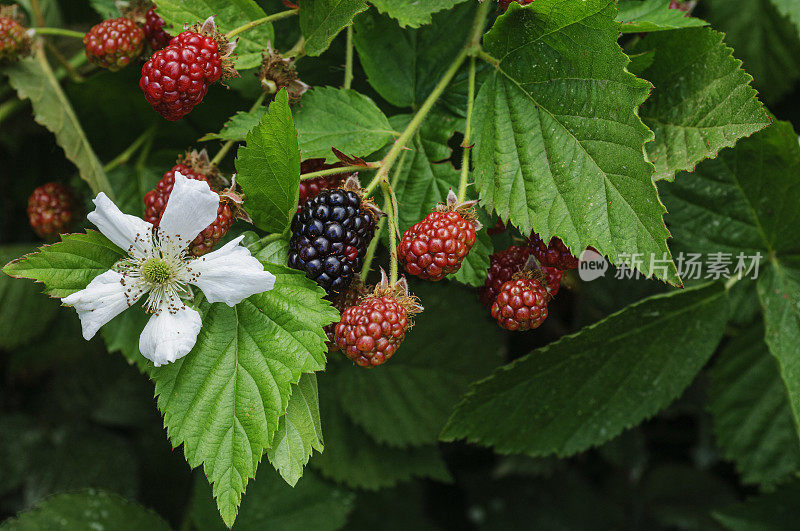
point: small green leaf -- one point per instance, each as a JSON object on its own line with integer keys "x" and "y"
{"x": 702, "y": 101}
{"x": 773, "y": 511}
{"x": 585, "y": 389}
{"x": 558, "y": 142}
{"x": 268, "y": 168}
{"x": 228, "y": 15}
{"x": 405, "y": 71}
{"x": 224, "y": 399}
{"x": 237, "y": 127}
{"x": 638, "y": 16}
{"x": 88, "y": 509}
{"x": 413, "y": 14}
{"x": 33, "y": 78}
{"x": 340, "y": 118}
{"x": 766, "y": 41}
{"x": 752, "y": 417}
{"x": 299, "y": 431}
{"x": 353, "y": 458}
{"x": 322, "y": 20}
{"x": 69, "y": 265}
{"x": 272, "y": 504}
{"x": 412, "y": 395}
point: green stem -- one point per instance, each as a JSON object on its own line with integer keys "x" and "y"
{"x": 480, "y": 54}
{"x": 389, "y": 205}
{"x": 462, "y": 184}
{"x": 348, "y": 64}
{"x": 339, "y": 169}
{"x": 59, "y": 31}
{"x": 298, "y": 50}
{"x": 390, "y": 158}
{"x": 65, "y": 64}
{"x": 226, "y": 147}
{"x": 141, "y": 161}
{"x": 259, "y": 21}
{"x": 37, "y": 12}
{"x": 126, "y": 155}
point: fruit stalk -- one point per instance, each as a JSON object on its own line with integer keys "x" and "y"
{"x": 389, "y": 205}
{"x": 252, "y": 24}
{"x": 337, "y": 170}
{"x": 462, "y": 185}
{"x": 59, "y": 31}
{"x": 348, "y": 62}
{"x": 126, "y": 155}
{"x": 468, "y": 50}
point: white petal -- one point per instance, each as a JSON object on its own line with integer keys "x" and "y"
{"x": 169, "y": 336}
{"x": 192, "y": 206}
{"x": 104, "y": 298}
{"x": 230, "y": 274}
{"x": 129, "y": 233}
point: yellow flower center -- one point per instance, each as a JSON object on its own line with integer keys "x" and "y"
{"x": 156, "y": 271}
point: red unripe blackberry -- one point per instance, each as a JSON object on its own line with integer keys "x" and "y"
{"x": 521, "y": 304}
{"x": 310, "y": 188}
{"x": 505, "y": 264}
{"x": 555, "y": 254}
{"x": 436, "y": 246}
{"x": 114, "y": 43}
{"x": 342, "y": 301}
{"x": 154, "y": 30}
{"x": 155, "y": 201}
{"x": 682, "y": 6}
{"x": 51, "y": 210}
{"x": 13, "y": 40}
{"x": 176, "y": 79}
{"x": 370, "y": 333}
{"x": 330, "y": 235}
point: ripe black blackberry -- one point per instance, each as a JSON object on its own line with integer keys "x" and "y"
{"x": 330, "y": 235}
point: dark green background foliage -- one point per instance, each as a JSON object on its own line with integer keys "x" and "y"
{"x": 652, "y": 403}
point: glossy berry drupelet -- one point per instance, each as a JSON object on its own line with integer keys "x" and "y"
{"x": 436, "y": 246}
{"x": 505, "y": 264}
{"x": 555, "y": 254}
{"x": 370, "y": 333}
{"x": 330, "y": 235}
{"x": 155, "y": 201}
{"x": 521, "y": 304}
{"x": 154, "y": 30}
{"x": 114, "y": 43}
{"x": 51, "y": 210}
{"x": 13, "y": 40}
{"x": 310, "y": 188}
{"x": 342, "y": 301}
{"x": 176, "y": 79}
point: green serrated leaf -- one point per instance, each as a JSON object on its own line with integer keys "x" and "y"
{"x": 558, "y": 143}
{"x": 638, "y": 16}
{"x": 276, "y": 252}
{"x": 272, "y": 504}
{"x": 299, "y": 431}
{"x": 268, "y": 168}
{"x": 412, "y": 395}
{"x": 702, "y": 101}
{"x": 744, "y": 201}
{"x": 790, "y": 9}
{"x": 340, "y": 118}
{"x": 413, "y": 14}
{"x": 773, "y": 511}
{"x": 585, "y": 389}
{"x": 763, "y": 39}
{"x": 228, "y": 15}
{"x": 224, "y": 399}
{"x": 33, "y": 79}
{"x": 322, "y": 20}
{"x": 353, "y": 458}
{"x": 403, "y": 66}
{"x": 237, "y": 127}
{"x": 69, "y": 265}
{"x": 90, "y": 509}
{"x": 24, "y": 314}
{"x": 752, "y": 417}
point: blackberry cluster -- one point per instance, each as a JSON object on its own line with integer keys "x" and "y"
{"x": 13, "y": 39}
{"x": 521, "y": 304}
{"x": 176, "y": 79}
{"x": 154, "y": 30}
{"x": 554, "y": 254}
{"x": 436, "y": 246}
{"x": 504, "y": 264}
{"x": 51, "y": 210}
{"x": 330, "y": 235}
{"x": 114, "y": 43}
{"x": 370, "y": 333}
